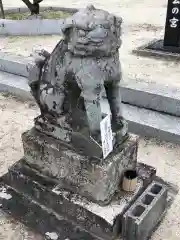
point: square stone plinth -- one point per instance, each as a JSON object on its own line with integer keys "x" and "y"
{"x": 45, "y": 207}
{"x": 96, "y": 179}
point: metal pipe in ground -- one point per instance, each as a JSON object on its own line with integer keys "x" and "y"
{"x": 129, "y": 181}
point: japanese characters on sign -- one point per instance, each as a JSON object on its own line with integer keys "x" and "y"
{"x": 106, "y": 136}
{"x": 172, "y": 31}
{"x": 175, "y": 10}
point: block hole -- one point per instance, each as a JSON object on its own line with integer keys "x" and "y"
{"x": 138, "y": 211}
{"x": 156, "y": 189}
{"x": 147, "y": 199}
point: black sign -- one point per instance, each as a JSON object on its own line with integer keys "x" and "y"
{"x": 172, "y": 28}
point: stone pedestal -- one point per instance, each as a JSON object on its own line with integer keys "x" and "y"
{"x": 42, "y": 205}
{"x": 39, "y": 191}
{"x": 96, "y": 179}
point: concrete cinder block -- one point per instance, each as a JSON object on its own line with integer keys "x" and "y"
{"x": 144, "y": 215}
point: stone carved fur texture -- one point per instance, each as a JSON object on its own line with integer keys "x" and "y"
{"x": 83, "y": 70}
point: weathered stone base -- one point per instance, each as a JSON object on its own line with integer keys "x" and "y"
{"x": 95, "y": 178}
{"x": 41, "y": 205}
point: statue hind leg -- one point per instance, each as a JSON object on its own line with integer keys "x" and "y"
{"x": 119, "y": 124}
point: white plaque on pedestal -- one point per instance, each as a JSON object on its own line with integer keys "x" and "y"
{"x": 106, "y": 136}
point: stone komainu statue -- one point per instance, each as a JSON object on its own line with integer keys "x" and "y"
{"x": 82, "y": 73}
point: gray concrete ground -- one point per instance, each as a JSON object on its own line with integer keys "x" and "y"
{"x": 17, "y": 117}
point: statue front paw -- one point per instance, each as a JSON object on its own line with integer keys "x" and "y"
{"x": 40, "y": 57}
{"x": 43, "y": 53}
{"x": 34, "y": 70}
